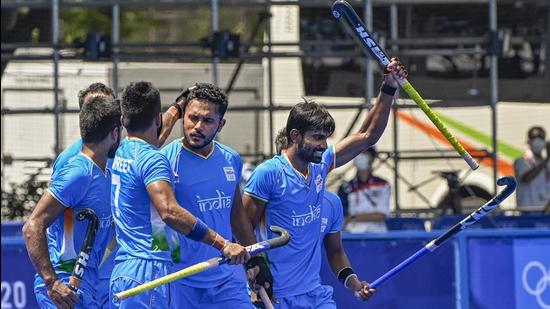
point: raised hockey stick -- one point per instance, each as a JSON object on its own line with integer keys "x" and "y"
{"x": 344, "y": 12}
{"x": 509, "y": 182}
{"x": 256, "y": 248}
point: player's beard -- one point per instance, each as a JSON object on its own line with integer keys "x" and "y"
{"x": 206, "y": 140}
{"x": 310, "y": 155}
{"x": 114, "y": 147}
{"x": 159, "y": 128}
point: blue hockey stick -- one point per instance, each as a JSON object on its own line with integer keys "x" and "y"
{"x": 509, "y": 182}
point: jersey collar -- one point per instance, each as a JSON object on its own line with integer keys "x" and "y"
{"x": 99, "y": 168}
{"x": 210, "y": 152}
{"x": 305, "y": 177}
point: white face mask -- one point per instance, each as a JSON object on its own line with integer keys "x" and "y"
{"x": 362, "y": 162}
{"x": 537, "y": 145}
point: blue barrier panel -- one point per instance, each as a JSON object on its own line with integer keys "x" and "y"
{"x": 510, "y": 270}
{"x": 17, "y": 275}
{"x": 480, "y": 268}
{"x": 12, "y": 228}
{"x": 430, "y": 282}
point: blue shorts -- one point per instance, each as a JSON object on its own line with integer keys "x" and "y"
{"x": 230, "y": 294}
{"x": 86, "y": 297}
{"x": 133, "y": 272}
{"x": 319, "y": 298}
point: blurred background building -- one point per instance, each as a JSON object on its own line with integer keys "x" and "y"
{"x": 483, "y": 66}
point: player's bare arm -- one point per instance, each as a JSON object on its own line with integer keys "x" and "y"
{"x": 341, "y": 267}
{"x": 241, "y": 226}
{"x": 375, "y": 123}
{"x": 257, "y": 272}
{"x": 254, "y": 209}
{"x": 181, "y": 220}
{"x": 47, "y": 210}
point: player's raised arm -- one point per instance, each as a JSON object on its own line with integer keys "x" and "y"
{"x": 375, "y": 123}
{"x": 172, "y": 114}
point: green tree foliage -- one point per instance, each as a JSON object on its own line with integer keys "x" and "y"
{"x": 154, "y": 25}
{"x": 18, "y": 203}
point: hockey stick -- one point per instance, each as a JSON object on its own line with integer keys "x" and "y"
{"x": 256, "y": 248}
{"x": 509, "y": 182}
{"x": 341, "y": 9}
{"x": 265, "y": 299}
{"x": 84, "y": 255}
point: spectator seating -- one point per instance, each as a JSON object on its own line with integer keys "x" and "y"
{"x": 445, "y": 222}
{"x": 396, "y": 224}
{"x": 531, "y": 221}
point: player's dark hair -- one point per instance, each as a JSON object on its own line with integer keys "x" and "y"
{"x": 95, "y": 88}
{"x": 211, "y": 94}
{"x": 140, "y": 105}
{"x": 98, "y": 118}
{"x": 536, "y": 131}
{"x": 281, "y": 142}
{"x": 309, "y": 115}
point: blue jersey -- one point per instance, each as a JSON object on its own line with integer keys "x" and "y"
{"x": 77, "y": 185}
{"x": 205, "y": 186}
{"x": 60, "y": 162}
{"x": 64, "y": 157}
{"x": 332, "y": 214}
{"x": 140, "y": 231}
{"x": 293, "y": 202}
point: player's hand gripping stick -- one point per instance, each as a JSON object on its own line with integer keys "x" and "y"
{"x": 344, "y": 12}
{"x": 256, "y": 248}
{"x": 84, "y": 255}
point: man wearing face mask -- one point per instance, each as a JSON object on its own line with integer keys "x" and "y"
{"x": 533, "y": 172}
{"x": 366, "y": 198}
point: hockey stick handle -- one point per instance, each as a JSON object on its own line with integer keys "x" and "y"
{"x": 256, "y": 248}
{"x": 509, "y": 182}
{"x": 265, "y": 298}
{"x": 344, "y": 12}
{"x": 265, "y": 245}
{"x": 87, "y": 245}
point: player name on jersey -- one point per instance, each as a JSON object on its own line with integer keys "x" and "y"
{"x": 122, "y": 165}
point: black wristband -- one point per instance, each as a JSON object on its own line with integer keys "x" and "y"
{"x": 344, "y": 274}
{"x": 387, "y": 89}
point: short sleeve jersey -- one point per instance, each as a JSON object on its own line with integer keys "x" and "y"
{"x": 140, "y": 231}
{"x": 77, "y": 185}
{"x": 62, "y": 160}
{"x": 293, "y": 202}
{"x": 332, "y": 214}
{"x": 205, "y": 186}
{"x": 64, "y": 157}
